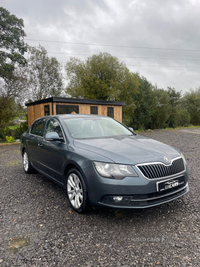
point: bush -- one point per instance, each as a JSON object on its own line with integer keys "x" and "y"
{"x": 16, "y": 131}
{"x": 10, "y": 139}
{"x": 182, "y": 118}
{"x": 20, "y": 130}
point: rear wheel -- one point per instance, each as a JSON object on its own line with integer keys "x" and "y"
{"x": 77, "y": 191}
{"x": 26, "y": 163}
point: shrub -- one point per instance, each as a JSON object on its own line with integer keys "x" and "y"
{"x": 20, "y": 130}
{"x": 16, "y": 131}
{"x": 10, "y": 139}
{"x": 182, "y": 118}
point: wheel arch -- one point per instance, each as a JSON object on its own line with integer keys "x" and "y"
{"x": 23, "y": 149}
{"x": 73, "y": 165}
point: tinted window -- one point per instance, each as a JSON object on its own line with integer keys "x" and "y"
{"x": 37, "y": 127}
{"x": 67, "y": 109}
{"x": 46, "y": 110}
{"x": 110, "y": 112}
{"x": 53, "y": 126}
{"x": 93, "y": 110}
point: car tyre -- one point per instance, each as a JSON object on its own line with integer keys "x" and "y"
{"x": 26, "y": 163}
{"x": 77, "y": 191}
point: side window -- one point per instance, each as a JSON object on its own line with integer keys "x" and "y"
{"x": 53, "y": 126}
{"x": 37, "y": 127}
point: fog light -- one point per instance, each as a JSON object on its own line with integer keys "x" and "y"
{"x": 117, "y": 199}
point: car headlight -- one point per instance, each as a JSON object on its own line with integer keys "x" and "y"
{"x": 116, "y": 171}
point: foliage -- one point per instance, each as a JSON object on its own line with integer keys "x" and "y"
{"x": 7, "y": 111}
{"x": 161, "y": 109}
{"x": 40, "y": 78}
{"x": 11, "y": 41}
{"x": 174, "y": 101}
{"x": 144, "y": 102}
{"x": 182, "y": 118}
{"x": 102, "y": 77}
{"x": 191, "y": 102}
{"x": 44, "y": 74}
{"x": 10, "y": 139}
{"x": 17, "y": 130}
{"x": 17, "y": 86}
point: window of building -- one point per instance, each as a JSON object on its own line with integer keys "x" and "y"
{"x": 110, "y": 112}
{"x": 46, "y": 110}
{"x": 67, "y": 109}
{"x": 93, "y": 110}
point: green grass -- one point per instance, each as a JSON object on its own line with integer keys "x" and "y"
{"x": 169, "y": 128}
{"x": 23, "y": 117}
{"x": 183, "y": 127}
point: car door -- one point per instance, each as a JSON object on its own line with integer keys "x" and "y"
{"x": 33, "y": 141}
{"x": 53, "y": 153}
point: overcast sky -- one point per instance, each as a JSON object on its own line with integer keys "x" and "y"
{"x": 159, "y": 39}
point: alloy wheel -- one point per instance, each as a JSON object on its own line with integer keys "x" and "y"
{"x": 75, "y": 190}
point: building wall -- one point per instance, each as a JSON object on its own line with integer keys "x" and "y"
{"x": 37, "y": 111}
{"x": 102, "y": 109}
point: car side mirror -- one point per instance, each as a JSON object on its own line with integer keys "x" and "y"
{"x": 53, "y": 136}
{"x": 131, "y": 129}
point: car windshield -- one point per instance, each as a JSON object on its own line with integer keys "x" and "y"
{"x": 95, "y": 127}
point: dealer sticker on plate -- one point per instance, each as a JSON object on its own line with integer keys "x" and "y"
{"x": 165, "y": 185}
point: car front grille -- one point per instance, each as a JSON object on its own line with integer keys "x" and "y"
{"x": 159, "y": 170}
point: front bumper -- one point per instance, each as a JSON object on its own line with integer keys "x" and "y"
{"x": 137, "y": 192}
{"x": 145, "y": 201}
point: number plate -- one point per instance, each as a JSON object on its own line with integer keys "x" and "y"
{"x": 168, "y": 184}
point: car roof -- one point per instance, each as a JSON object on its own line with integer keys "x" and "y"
{"x": 70, "y": 116}
{"x": 67, "y": 116}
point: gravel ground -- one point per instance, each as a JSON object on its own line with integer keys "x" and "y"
{"x": 38, "y": 228}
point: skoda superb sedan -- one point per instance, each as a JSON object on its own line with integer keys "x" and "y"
{"x": 102, "y": 163}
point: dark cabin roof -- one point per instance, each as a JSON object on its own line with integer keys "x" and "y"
{"x": 76, "y": 101}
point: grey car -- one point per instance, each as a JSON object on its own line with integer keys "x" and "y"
{"x": 102, "y": 163}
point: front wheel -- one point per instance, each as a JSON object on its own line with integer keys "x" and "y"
{"x": 26, "y": 163}
{"x": 77, "y": 191}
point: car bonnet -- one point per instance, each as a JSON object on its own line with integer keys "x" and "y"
{"x": 129, "y": 149}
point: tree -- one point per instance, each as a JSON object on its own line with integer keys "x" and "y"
{"x": 17, "y": 86}
{"x": 43, "y": 74}
{"x": 7, "y": 112}
{"x": 99, "y": 77}
{"x": 103, "y": 77}
{"x": 182, "y": 118}
{"x": 144, "y": 102}
{"x": 174, "y": 101}
{"x": 40, "y": 78}
{"x": 191, "y": 102}
{"x": 11, "y": 43}
{"x": 161, "y": 109}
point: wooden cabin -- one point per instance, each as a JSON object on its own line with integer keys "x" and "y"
{"x": 62, "y": 105}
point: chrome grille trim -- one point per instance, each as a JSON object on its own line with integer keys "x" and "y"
{"x": 157, "y": 170}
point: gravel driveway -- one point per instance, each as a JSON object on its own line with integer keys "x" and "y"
{"x": 38, "y": 228}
